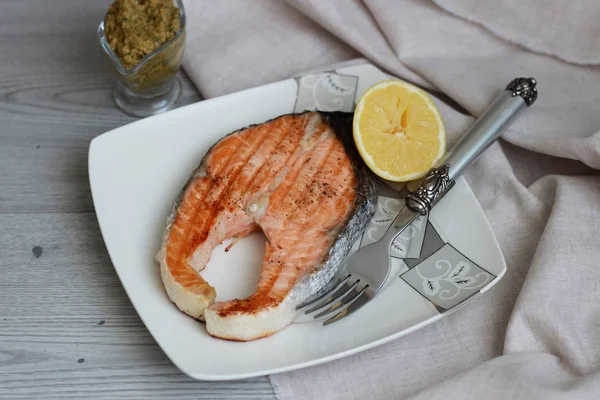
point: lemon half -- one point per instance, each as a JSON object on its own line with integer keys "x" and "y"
{"x": 398, "y": 130}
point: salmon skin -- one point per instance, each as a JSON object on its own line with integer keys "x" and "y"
{"x": 300, "y": 180}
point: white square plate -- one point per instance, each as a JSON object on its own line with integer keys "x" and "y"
{"x": 136, "y": 172}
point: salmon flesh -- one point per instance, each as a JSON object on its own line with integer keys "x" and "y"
{"x": 300, "y": 180}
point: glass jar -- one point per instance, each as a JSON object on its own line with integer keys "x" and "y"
{"x": 150, "y": 87}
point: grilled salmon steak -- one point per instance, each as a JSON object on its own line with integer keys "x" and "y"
{"x": 299, "y": 179}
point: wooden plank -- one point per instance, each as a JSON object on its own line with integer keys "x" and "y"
{"x": 67, "y": 328}
{"x": 45, "y": 138}
{"x": 47, "y": 123}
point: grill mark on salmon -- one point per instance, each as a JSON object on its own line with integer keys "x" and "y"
{"x": 223, "y": 206}
{"x": 299, "y": 179}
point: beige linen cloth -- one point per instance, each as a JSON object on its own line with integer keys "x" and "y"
{"x": 536, "y": 335}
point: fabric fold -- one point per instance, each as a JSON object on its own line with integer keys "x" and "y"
{"x": 550, "y": 27}
{"x": 235, "y": 45}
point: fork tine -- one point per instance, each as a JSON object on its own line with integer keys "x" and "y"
{"x": 357, "y": 303}
{"x": 348, "y": 299}
{"x": 342, "y": 291}
{"x": 333, "y": 288}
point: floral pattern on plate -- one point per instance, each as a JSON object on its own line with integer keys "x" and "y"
{"x": 447, "y": 278}
{"x": 431, "y": 242}
{"x": 408, "y": 243}
{"x": 326, "y": 92}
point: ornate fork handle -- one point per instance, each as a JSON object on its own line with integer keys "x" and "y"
{"x": 431, "y": 188}
{"x": 519, "y": 93}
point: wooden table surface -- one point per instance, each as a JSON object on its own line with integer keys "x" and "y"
{"x": 67, "y": 328}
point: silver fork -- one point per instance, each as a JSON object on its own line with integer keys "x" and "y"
{"x": 364, "y": 273}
